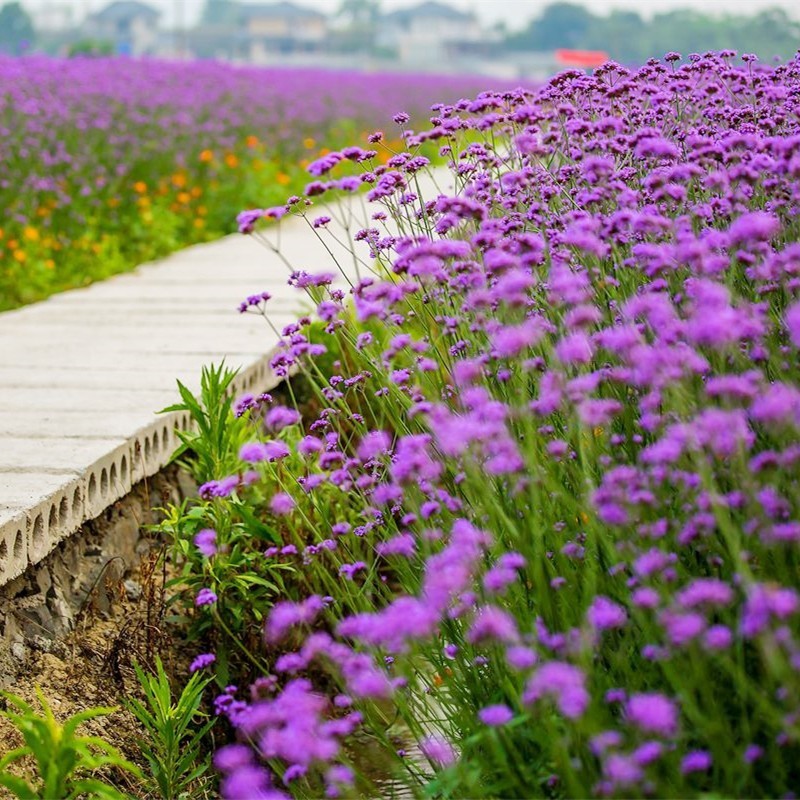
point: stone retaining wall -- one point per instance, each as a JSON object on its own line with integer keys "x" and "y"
{"x": 87, "y": 569}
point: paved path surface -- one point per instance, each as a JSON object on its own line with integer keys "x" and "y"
{"x": 83, "y": 374}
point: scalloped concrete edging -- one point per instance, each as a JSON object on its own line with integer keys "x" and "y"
{"x": 83, "y": 375}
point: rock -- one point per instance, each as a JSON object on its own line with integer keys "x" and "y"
{"x": 133, "y": 590}
{"x": 18, "y": 651}
{"x": 42, "y": 643}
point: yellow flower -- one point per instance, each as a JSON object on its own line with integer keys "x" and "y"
{"x": 199, "y": 223}
{"x": 50, "y": 264}
{"x": 31, "y": 234}
{"x": 179, "y": 180}
{"x": 184, "y": 197}
{"x": 308, "y": 142}
{"x": 202, "y": 211}
{"x": 206, "y": 156}
{"x": 20, "y": 256}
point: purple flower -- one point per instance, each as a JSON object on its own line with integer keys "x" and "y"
{"x": 205, "y": 597}
{"x": 604, "y": 614}
{"x": 696, "y": 761}
{"x": 286, "y": 614}
{"x": 202, "y": 661}
{"x": 280, "y": 417}
{"x": 563, "y": 682}
{"x": 752, "y": 753}
{"x": 206, "y": 542}
{"x": 652, "y": 713}
{"x": 791, "y": 319}
{"x": 438, "y": 750}
{"x": 281, "y": 504}
{"x": 496, "y": 715}
{"x": 756, "y": 226}
{"x": 254, "y": 452}
{"x": 246, "y": 220}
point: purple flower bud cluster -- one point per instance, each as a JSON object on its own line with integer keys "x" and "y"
{"x": 558, "y": 448}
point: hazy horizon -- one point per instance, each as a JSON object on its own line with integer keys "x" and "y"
{"x": 515, "y": 13}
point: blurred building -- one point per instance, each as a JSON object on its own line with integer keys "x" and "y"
{"x": 55, "y": 18}
{"x": 433, "y": 33}
{"x": 429, "y": 36}
{"x": 261, "y": 34}
{"x": 278, "y": 29}
{"x": 129, "y": 26}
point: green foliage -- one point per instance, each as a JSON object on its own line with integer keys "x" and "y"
{"x": 217, "y": 434}
{"x": 173, "y": 746}
{"x": 16, "y": 29}
{"x": 67, "y": 763}
{"x": 631, "y": 39}
{"x": 91, "y": 47}
{"x": 239, "y": 574}
{"x": 220, "y": 12}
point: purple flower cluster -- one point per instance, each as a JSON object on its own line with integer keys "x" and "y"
{"x": 560, "y": 446}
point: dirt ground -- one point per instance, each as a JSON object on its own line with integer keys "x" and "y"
{"x": 92, "y": 666}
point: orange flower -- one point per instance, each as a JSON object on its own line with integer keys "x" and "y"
{"x": 196, "y": 191}
{"x": 50, "y": 264}
{"x": 231, "y": 161}
{"x": 206, "y": 156}
{"x": 282, "y": 178}
{"x": 179, "y": 180}
{"x": 140, "y": 187}
{"x": 20, "y": 256}
{"x": 31, "y": 234}
{"x": 184, "y": 197}
{"x": 251, "y": 141}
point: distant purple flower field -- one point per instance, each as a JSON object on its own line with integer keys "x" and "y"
{"x": 108, "y": 162}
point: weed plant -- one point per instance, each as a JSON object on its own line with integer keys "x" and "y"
{"x": 67, "y": 764}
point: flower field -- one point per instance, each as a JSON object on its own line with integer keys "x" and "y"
{"x": 523, "y": 520}
{"x": 105, "y": 163}
{"x": 527, "y": 524}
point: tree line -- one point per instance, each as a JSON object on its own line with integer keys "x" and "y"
{"x": 631, "y": 39}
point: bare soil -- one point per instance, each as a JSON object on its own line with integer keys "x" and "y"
{"x": 93, "y": 665}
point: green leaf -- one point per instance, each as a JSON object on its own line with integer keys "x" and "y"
{"x": 17, "y": 786}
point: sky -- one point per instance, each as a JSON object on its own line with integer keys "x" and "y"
{"x": 515, "y": 13}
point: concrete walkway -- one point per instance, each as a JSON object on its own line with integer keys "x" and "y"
{"x": 83, "y": 375}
